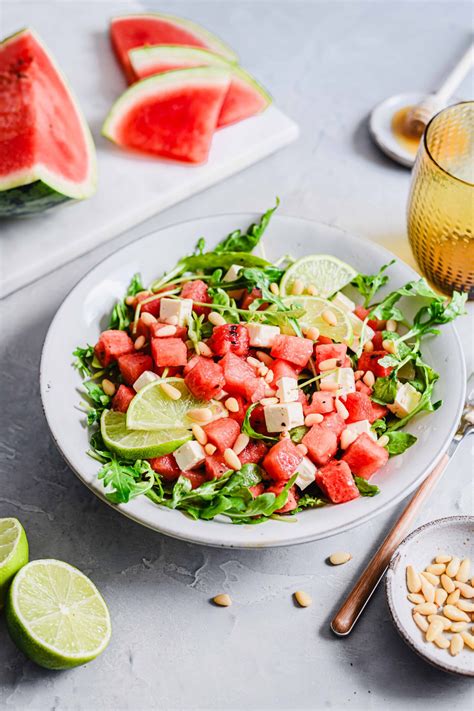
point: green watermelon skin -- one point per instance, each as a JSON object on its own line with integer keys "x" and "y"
{"x": 29, "y": 200}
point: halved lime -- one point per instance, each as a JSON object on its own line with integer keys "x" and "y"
{"x": 56, "y": 615}
{"x": 138, "y": 444}
{"x": 152, "y": 409}
{"x": 325, "y": 273}
{"x": 314, "y": 307}
{"x": 13, "y": 553}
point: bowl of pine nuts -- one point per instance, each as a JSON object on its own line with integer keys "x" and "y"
{"x": 430, "y": 593}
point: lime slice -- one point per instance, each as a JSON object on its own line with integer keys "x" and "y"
{"x": 152, "y": 409}
{"x": 56, "y": 615}
{"x": 13, "y": 553}
{"x": 327, "y": 274}
{"x": 314, "y": 307}
{"x": 138, "y": 444}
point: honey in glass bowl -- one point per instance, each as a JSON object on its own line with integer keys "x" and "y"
{"x": 441, "y": 201}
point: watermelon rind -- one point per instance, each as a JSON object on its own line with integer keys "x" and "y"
{"x": 141, "y": 56}
{"x": 210, "y": 39}
{"x": 151, "y": 86}
{"x": 38, "y": 188}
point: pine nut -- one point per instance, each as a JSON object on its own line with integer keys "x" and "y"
{"x": 447, "y": 583}
{"x": 442, "y": 558}
{"x": 329, "y": 386}
{"x": 210, "y": 449}
{"x": 420, "y": 621}
{"x": 383, "y": 441}
{"x": 232, "y": 459}
{"x": 269, "y": 376}
{"x": 231, "y": 404}
{"x": 446, "y": 624}
{"x": 457, "y": 643}
{"x": 453, "y": 567}
{"x": 436, "y": 569}
{"x": 369, "y": 379}
{"x": 358, "y": 374}
{"x": 391, "y": 325}
{"x": 441, "y": 641}
{"x": 285, "y": 435}
{"x": 330, "y": 317}
{"x": 302, "y": 449}
{"x": 313, "y": 419}
{"x": 253, "y": 362}
{"x": 368, "y": 347}
{"x": 427, "y": 589}
{"x": 433, "y": 631}
{"x": 263, "y": 370}
{"x": 458, "y": 626}
{"x": 240, "y": 443}
{"x": 222, "y": 600}
{"x": 433, "y": 579}
{"x": 472, "y": 582}
{"x": 172, "y": 320}
{"x": 302, "y": 598}
{"x": 440, "y": 597}
{"x": 204, "y": 349}
{"x": 130, "y": 300}
{"x": 140, "y": 342}
{"x": 328, "y": 364}
{"x": 269, "y": 391}
{"x": 339, "y": 558}
{"x": 148, "y": 319}
{"x": 465, "y": 605}
{"x": 269, "y": 401}
{"x": 347, "y": 437}
{"x": 416, "y": 598}
{"x": 311, "y": 290}
{"x": 108, "y": 387}
{"x": 199, "y": 434}
{"x": 274, "y": 288}
{"x": 312, "y": 333}
{"x": 169, "y": 390}
{"x": 468, "y": 639}
{"x": 200, "y": 414}
{"x": 466, "y": 590}
{"x": 453, "y": 597}
{"x": 463, "y": 573}
{"x": 216, "y": 319}
{"x": 166, "y": 331}
{"x": 297, "y": 288}
{"x": 264, "y": 358}
{"x": 341, "y": 409}
{"x": 455, "y": 614}
{"x": 389, "y": 346}
{"x": 426, "y": 608}
{"x": 413, "y": 580}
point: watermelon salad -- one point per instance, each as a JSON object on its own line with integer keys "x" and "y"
{"x": 233, "y": 386}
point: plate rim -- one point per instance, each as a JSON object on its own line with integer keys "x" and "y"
{"x": 203, "y": 540}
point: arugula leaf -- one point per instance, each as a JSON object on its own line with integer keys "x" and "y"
{"x": 307, "y": 501}
{"x": 399, "y": 442}
{"x": 237, "y": 242}
{"x": 249, "y": 430}
{"x": 83, "y": 360}
{"x": 366, "y": 489}
{"x": 211, "y": 261}
{"x": 297, "y": 433}
{"x": 386, "y": 309}
{"x": 122, "y": 314}
{"x": 127, "y": 480}
{"x": 385, "y": 390}
{"x": 379, "y": 427}
{"x": 369, "y": 284}
{"x": 97, "y": 397}
{"x": 436, "y": 313}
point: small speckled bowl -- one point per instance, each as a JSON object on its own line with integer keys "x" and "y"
{"x": 453, "y": 536}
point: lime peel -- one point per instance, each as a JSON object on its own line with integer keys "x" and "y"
{"x": 138, "y": 444}
{"x": 13, "y": 553}
{"x": 324, "y": 273}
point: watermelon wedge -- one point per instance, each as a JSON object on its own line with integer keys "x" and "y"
{"x": 246, "y": 97}
{"x": 131, "y": 31}
{"x": 47, "y": 155}
{"x": 172, "y": 115}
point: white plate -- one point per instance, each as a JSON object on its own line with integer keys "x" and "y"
{"x": 454, "y": 536}
{"x": 85, "y": 312}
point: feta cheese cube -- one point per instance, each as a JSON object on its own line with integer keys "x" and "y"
{"x": 179, "y": 308}
{"x": 232, "y": 273}
{"x": 406, "y": 400}
{"x": 189, "y": 455}
{"x": 145, "y": 379}
{"x": 287, "y": 389}
{"x": 343, "y": 302}
{"x": 361, "y": 426}
{"x": 344, "y": 377}
{"x": 306, "y": 473}
{"x": 261, "y": 335}
{"x": 362, "y": 332}
{"x": 279, "y": 418}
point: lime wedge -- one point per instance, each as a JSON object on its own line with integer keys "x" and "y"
{"x": 325, "y": 273}
{"x": 152, "y": 409}
{"x": 314, "y": 307}
{"x": 138, "y": 444}
{"x": 56, "y": 615}
{"x": 13, "y": 553}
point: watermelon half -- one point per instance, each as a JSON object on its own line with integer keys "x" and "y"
{"x": 131, "y": 31}
{"x": 172, "y": 115}
{"x": 47, "y": 155}
{"x": 246, "y": 97}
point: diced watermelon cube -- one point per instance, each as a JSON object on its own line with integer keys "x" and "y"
{"x": 359, "y": 406}
{"x": 361, "y": 387}
{"x": 323, "y": 340}
{"x": 370, "y": 361}
{"x": 292, "y": 500}
{"x": 282, "y": 460}
{"x": 206, "y": 379}
{"x": 151, "y": 307}
{"x": 257, "y": 420}
{"x": 181, "y": 331}
{"x": 321, "y": 443}
{"x": 216, "y": 466}
{"x": 249, "y": 297}
{"x": 333, "y": 422}
{"x": 222, "y": 433}
{"x": 133, "y": 365}
{"x": 321, "y": 403}
{"x": 166, "y": 466}
{"x": 365, "y": 457}
{"x": 111, "y": 345}
{"x": 196, "y": 478}
{"x": 378, "y": 412}
{"x": 240, "y": 378}
{"x": 230, "y": 338}
{"x": 333, "y": 350}
{"x": 253, "y": 452}
{"x": 336, "y": 482}
{"x": 197, "y": 291}
{"x": 283, "y": 369}
{"x": 293, "y": 348}
{"x": 257, "y": 489}
{"x": 169, "y": 351}
{"x": 374, "y": 323}
{"x": 122, "y": 398}
{"x": 377, "y": 340}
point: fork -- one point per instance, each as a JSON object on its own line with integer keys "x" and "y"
{"x": 352, "y": 608}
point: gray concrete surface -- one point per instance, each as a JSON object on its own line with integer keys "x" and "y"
{"x": 327, "y": 64}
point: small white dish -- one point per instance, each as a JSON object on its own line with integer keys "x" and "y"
{"x": 453, "y": 535}
{"x": 380, "y": 126}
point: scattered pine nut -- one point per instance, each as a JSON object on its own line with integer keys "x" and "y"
{"x": 434, "y": 630}
{"x": 465, "y": 589}
{"x": 369, "y": 379}
{"x": 330, "y": 317}
{"x": 468, "y": 639}
{"x": 274, "y": 288}
{"x": 140, "y": 342}
{"x": 435, "y": 569}
{"x": 200, "y": 414}
{"x": 108, "y": 387}
{"x": 222, "y": 600}
{"x": 458, "y": 626}
{"x": 312, "y": 333}
{"x": 314, "y": 418}
{"x": 358, "y": 374}
{"x": 347, "y": 438}
{"x": 232, "y": 460}
{"x": 169, "y": 390}
{"x": 465, "y": 605}
{"x": 391, "y": 325}
{"x": 130, "y": 300}
{"x": 302, "y": 598}
{"x": 231, "y": 404}
{"x": 427, "y": 590}
{"x": 339, "y": 558}
{"x": 297, "y": 288}
{"x": 433, "y": 579}
{"x": 210, "y": 449}
{"x": 302, "y": 449}
{"x": 311, "y": 290}
{"x": 464, "y": 569}
{"x": 204, "y": 349}
{"x": 148, "y": 319}
{"x": 453, "y": 597}
{"x": 166, "y": 331}
{"x": 416, "y": 598}
{"x": 457, "y": 643}
{"x": 453, "y": 567}
{"x": 441, "y": 641}
{"x": 455, "y": 614}
{"x": 368, "y": 347}
{"x": 413, "y": 580}
{"x": 269, "y": 375}
{"x": 199, "y": 434}
{"x": 446, "y": 624}
{"x": 426, "y": 608}
{"x": 440, "y": 596}
{"x": 447, "y": 583}
{"x": 263, "y": 370}
{"x": 253, "y": 362}
{"x": 341, "y": 409}
{"x": 240, "y": 443}
{"x": 264, "y": 358}
{"x": 442, "y": 558}
{"x": 328, "y": 364}
{"x": 172, "y": 320}
{"x": 383, "y": 440}
{"x": 389, "y": 346}
{"x": 216, "y": 319}
{"x": 269, "y": 401}
{"x": 420, "y": 621}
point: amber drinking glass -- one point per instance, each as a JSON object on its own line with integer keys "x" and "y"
{"x": 441, "y": 202}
